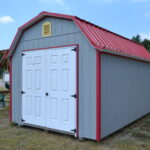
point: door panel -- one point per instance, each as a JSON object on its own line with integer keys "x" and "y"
{"x": 33, "y": 100}
{"x": 49, "y": 80}
{"x": 61, "y": 84}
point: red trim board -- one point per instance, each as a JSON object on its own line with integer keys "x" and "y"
{"x": 77, "y": 89}
{"x": 98, "y": 96}
{"x": 10, "y": 109}
{"x": 50, "y": 47}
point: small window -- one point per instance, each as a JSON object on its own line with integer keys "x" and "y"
{"x": 46, "y": 29}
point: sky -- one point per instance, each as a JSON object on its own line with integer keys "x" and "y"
{"x": 125, "y": 17}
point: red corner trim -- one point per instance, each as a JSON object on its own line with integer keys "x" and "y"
{"x": 10, "y": 111}
{"x": 98, "y": 96}
{"x": 77, "y": 89}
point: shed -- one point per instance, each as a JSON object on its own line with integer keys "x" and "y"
{"x": 71, "y": 76}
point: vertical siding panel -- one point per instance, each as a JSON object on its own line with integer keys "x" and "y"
{"x": 17, "y": 84}
{"x": 58, "y": 26}
{"x": 127, "y": 82}
{"x": 87, "y": 85}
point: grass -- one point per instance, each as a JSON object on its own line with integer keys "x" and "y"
{"x": 3, "y": 89}
{"x": 12, "y": 137}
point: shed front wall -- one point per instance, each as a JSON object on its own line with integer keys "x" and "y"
{"x": 125, "y": 85}
{"x": 64, "y": 32}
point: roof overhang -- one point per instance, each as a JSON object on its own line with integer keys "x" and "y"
{"x": 106, "y": 51}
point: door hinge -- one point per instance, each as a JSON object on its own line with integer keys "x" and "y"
{"x": 74, "y": 130}
{"x": 23, "y": 54}
{"x": 75, "y": 95}
{"x": 22, "y": 92}
{"x": 74, "y": 49}
{"x": 22, "y": 120}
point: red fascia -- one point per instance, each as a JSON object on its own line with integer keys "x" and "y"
{"x": 125, "y": 56}
{"x": 44, "y": 13}
{"x": 98, "y": 96}
{"x": 38, "y": 16}
{"x": 10, "y": 111}
{"x": 12, "y": 43}
{"x": 77, "y": 89}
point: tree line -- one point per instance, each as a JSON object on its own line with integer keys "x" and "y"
{"x": 145, "y": 42}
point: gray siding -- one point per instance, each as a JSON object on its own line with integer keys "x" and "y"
{"x": 64, "y": 32}
{"x": 125, "y": 92}
{"x": 16, "y": 85}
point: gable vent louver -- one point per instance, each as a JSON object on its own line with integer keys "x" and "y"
{"x": 46, "y": 29}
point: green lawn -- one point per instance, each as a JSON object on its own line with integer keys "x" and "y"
{"x": 13, "y": 137}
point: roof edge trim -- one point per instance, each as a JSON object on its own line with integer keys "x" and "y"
{"x": 122, "y": 55}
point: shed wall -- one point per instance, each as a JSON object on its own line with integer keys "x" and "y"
{"x": 64, "y": 32}
{"x": 125, "y": 92}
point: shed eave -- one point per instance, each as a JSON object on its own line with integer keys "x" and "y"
{"x": 122, "y": 55}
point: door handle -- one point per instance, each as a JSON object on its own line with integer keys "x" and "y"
{"x": 46, "y": 93}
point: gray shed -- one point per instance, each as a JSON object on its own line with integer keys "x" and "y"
{"x": 71, "y": 76}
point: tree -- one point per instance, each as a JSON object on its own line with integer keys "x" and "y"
{"x": 137, "y": 38}
{"x": 146, "y": 44}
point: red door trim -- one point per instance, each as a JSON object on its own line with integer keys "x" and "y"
{"x": 77, "y": 79}
{"x": 10, "y": 111}
{"x": 50, "y": 47}
{"x": 77, "y": 89}
{"x": 98, "y": 96}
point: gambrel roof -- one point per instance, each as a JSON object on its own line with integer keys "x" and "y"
{"x": 102, "y": 39}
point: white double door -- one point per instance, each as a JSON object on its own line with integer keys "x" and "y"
{"x": 48, "y": 83}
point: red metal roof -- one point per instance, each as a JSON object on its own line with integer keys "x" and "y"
{"x": 100, "y": 38}
{"x": 104, "y": 39}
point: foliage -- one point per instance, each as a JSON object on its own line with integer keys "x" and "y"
{"x": 145, "y": 42}
{"x": 137, "y": 38}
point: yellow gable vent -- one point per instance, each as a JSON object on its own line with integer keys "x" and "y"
{"x": 46, "y": 29}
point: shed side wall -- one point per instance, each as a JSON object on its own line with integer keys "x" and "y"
{"x": 125, "y": 92}
{"x": 64, "y": 32}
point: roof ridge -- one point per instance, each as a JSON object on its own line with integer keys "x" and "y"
{"x": 53, "y": 13}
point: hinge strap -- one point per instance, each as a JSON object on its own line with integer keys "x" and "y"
{"x": 74, "y": 49}
{"x": 22, "y": 92}
{"x": 74, "y": 130}
{"x": 75, "y": 95}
